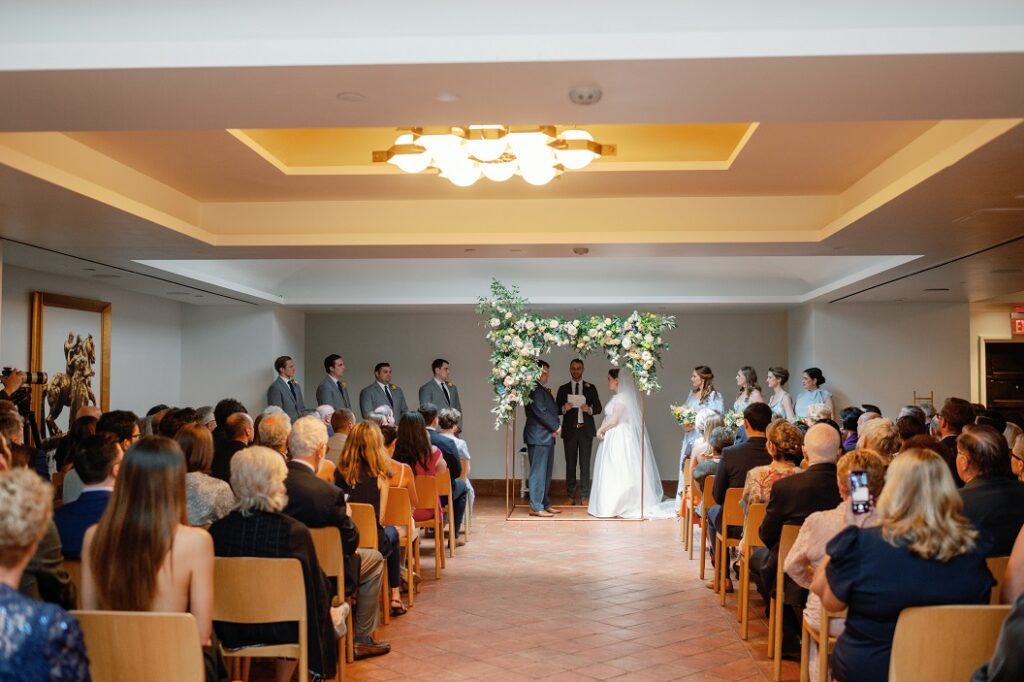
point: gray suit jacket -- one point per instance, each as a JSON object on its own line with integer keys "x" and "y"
{"x": 373, "y": 397}
{"x": 328, "y": 393}
{"x": 542, "y": 418}
{"x": 430, "y": 392}
{"x": 280, "y": 395}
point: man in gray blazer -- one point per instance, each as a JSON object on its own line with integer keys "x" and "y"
{"x": 440, "y": 390}
{"x": 382, "y": 392}
{"x": 285, "y": 392}
{"x": 332, "y": 390}
{"x": 543, "y": 426}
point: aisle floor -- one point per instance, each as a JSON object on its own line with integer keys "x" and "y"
{"x": 570, "y": 600}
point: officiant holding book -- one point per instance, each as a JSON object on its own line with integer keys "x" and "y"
{"x": 578, "y": 402}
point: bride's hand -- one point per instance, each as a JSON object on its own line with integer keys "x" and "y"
{"x": 600, "y": 435}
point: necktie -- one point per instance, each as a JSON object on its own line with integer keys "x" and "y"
{"x": 391, "y": 400}
{"x": 447, "y": 396}
{"x": 295, "y": 397}
{"x": 576, "y": 387}
{"x": 579, "y": 411}
{"x": 342, "y": 389}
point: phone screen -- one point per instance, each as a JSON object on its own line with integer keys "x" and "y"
{"x": 860, "y": 496}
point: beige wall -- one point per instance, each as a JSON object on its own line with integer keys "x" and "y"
{"x": 410, "y": 341}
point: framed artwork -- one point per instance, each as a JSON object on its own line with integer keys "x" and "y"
{"x": 71, "y": 343}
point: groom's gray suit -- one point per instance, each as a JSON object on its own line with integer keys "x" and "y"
{"x": 373, "y": 396}
{"x": 333, "y": 393}
{"x": 542, "y": 421}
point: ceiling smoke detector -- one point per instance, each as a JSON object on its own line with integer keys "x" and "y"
{"x": 585, "y": 95}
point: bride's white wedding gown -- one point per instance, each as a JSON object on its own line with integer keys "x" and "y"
{"x": 617, "y": 480}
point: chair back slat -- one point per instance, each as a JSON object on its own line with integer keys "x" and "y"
{"x": 399, "y": 510}
{"x": 709, "y": 485}
{"x": 940, "y": 643}
{"x": 426, "y": 491}
{"x": 789, "y": 533}
{"x": 327, "y": 543}
{"x": 444, "y": 483}
{"x": 752, "y": 528}
{"x": 732, "y": 512}
{"x": 130, "y": 645}
{"x": 366, "y": 521}
{"x": 997, "y": 567}
{"x": 239, "y": 583}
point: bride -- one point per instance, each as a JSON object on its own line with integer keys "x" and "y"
{"x": 617, "y": 478}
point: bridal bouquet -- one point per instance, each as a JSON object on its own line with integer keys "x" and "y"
{"x": 685, "y": 416}
{"x": 733, "y": 420}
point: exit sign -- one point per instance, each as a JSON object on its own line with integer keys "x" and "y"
{"x": 1017, "y": 324}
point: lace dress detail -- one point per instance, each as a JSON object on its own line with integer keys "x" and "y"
{"x": 39, "y": 641}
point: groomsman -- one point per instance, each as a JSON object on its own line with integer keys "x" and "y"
{"x": 578, "y": 430}
{"x": 382, "y": 392}
{"x": 285, "y": 392}
{"x": 440, "y": 390}
{"x": 332, "y": 390}
{"x": 540, "y": 433}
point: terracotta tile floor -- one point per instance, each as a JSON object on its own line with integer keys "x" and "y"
{"x": 570, "y": 601}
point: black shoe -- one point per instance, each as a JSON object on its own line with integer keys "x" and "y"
{"x": 791, "y": 650}
{"x": 370, "y": 649}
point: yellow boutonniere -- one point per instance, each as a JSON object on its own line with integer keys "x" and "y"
{"x": 451, "y": 385}
{"x": 344, "y": 385}
{"x": 393, "y": 387}
{"x": 551, "y": 393}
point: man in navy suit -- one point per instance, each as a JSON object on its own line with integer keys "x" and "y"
{"x": 97, "y": 461}
{"x": 543, "y": 426}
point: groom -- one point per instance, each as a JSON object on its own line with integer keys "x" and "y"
{"x": 539, "y": 434}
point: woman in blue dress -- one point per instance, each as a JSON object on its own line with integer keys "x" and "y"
{"x": 750, "y": 390}
{"x": 702, "y": 396}
{"x": 38, "y": 641}
{"x": 780, "y": 401}
{"x": 813, "y": 394}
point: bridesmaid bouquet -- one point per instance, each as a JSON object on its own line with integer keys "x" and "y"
{"x": 685, "y": 416}
{"x": 733, "y": 420}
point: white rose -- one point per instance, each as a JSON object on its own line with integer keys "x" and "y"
{"x": 646, "y": 355}
{"x": 517, "y": 342}
{"x": 525, "y": 352}
{"x": 607, "y": 320}
{"x": 509, "y": 381}
{"x": 495, "y": 322}
{"x": 529, "y": 324}
{"x": 572, "y": 331}
{"x": 592, "y": 333}
{"x": 553, "y": 323}
{"x": 508, "y": 316}
{"x": 626, "y": 342}
{"x": 648, "y": 364}
{"x": 649, "y": 338}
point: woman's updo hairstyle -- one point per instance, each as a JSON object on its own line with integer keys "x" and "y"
{"x": 815, "y": 374}
{"x": 614, "y": 373}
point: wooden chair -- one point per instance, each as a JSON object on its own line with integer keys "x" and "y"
{"x": 732, "y": 515}
{"x": 365, "y": 518}
{"x": 426, "y": 492}
{"x": 751, "y": 541}
{"x": 444, "y": 487}
{"x": 944, "y": 643}
{"x": 789, "y": 533}
{"x": 399, "y": 514}
{"x": 74, "y": 569}
{"x": 134, "y": 645}
{"x": 705, "y": 500}
{"x": 826, "y": 642}
{"x": 240, "y": 595}
{"x": 997, "y": 567}
{"x": 327, "y": 543}
{"x": 686, "y": 505}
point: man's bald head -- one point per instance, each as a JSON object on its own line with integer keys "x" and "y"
{"x": 821, "y": 444}
{"x": 89, "y": 411}
{"x": 239, "y": 427}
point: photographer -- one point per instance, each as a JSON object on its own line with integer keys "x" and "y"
{"x": 12, "y": 381}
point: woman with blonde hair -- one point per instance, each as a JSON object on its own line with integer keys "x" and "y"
{"x": 364, "y": 470}
{"x": 143, "y": 555}
{"x": 882, "y": 436}
{"x": 706, "y": 422}
{"x": 922, "y": 552}
{"x": 38, "y": 641}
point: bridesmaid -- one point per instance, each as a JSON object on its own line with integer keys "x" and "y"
{"x": 812, "y": 382}
{"x": 750, "y": 391}
{"x": 780, "y": 401}
{"x": 702, "y": 396}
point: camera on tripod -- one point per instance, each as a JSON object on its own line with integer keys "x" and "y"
{"x": 31, "y": 378}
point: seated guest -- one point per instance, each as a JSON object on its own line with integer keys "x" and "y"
{"x": 707, "y": 420}
{"x": 318, "y": 504}
{"x": 792, "y": 500}
{"x": 174, "y": 420}
{"x": 413, "y": 448}
{"x": 142, "y": 556}
{"x": 274, "y": 429}
{"x": 736, "y": 461}
{"x": 1013, "y": 580}
{"x": 848, "y": 421}
{"x": 450, "y": 452}
{"x": 238, "y": 433}
{"x": 401, "y": 475}
{"x": 206, "y": 498}
{"x": 808, "y": 551}
{"x": 205, "y": 418}
{"x": 1007, "y": 663}
{"x": 1017, "y": 453}
{"x": 39, "y": 641}
{"x": 818, "y": 413}
{"x": 912, "y": 411}
{"x": 97, "y": 461}
{"x": 325, "y": 412}
{"x": 864, "y": 418}
{"x": 718, "y": 439}
{"x": 784, "y": 442}
{"x": 363, "y": 472}
{"x": 221, "y": 411}
{"x": 257, "y": 528}
{"x": 68, "y": 444}
{"x": 992, "y": 418}
{"x": 881, "y": 436}
{"x": 449, "y": 425}
{"x": 12, "y": 427}
{"x": 383, "y": 415}
{"x": 955, "y": 415}
{"x": 71, "y": 483}
{"x": 922, "y": 552}
{"x": 910, "y": 426}
{"x": 342, "y": 422}
{"x": 1012, "y": 433}
{"x": 123, "y": 424}
{"x": 993, "y": 498}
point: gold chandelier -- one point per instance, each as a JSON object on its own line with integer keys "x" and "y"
{"x": 465, "y": 154}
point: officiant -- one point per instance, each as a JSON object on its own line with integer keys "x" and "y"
{"x": 578, "y": 402}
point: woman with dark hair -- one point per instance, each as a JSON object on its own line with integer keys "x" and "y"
{"x": 813, "y": 393}
{"x": 207, "y": 498}
{"x": 780, "y": 401}
{"x": 143, "y": 555}
{"x": 413, "y": 448}
{"x": 848, "y": 419}
{"x": 702, "y": 396}
{"x": 71, "y": 484}
{"x": 922, "y": 552}
{"x": 750, "y": 390}
{"x": 363, "y": 472}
